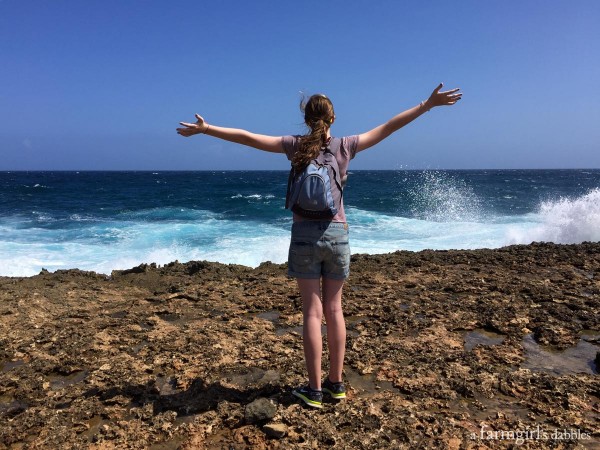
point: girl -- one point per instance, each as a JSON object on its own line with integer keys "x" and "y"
{"x": 319, "y": 255}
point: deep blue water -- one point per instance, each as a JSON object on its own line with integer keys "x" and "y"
{"x": 113, "y": 220}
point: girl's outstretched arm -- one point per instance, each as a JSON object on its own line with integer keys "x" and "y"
{"x": 259, "y": 141}
{"x": 378, "y": 134}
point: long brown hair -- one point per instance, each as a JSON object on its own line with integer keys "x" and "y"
{"x": 318, "y": 116}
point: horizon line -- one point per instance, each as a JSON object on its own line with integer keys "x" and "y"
{"x": 278, "y": 170}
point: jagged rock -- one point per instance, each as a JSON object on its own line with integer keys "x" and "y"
{"x": 275, "y": 430}
{"x": 172, "y": 354}
{"x": 260, "y": 410}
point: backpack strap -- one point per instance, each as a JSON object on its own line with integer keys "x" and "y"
{"x": 333, "y": 147}
{"x": 289, "y": 188}
{"x": 335, "y": 144}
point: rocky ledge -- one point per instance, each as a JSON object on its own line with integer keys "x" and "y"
{"x": 446, "y": 349}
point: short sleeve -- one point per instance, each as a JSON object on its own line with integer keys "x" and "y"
{"x": 350, "y": 144}
{"x": 290, "y": 145}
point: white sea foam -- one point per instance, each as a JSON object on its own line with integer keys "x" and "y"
{"x": 254, "y": 196}
{"x": 377, "y": 233}
{"x": 42, "y": 217}
{"x": 82, "y": 218}
{"x": 164, "y": 235}
{"x": 562, "y": 221}
{"x": 170, "y": 214}
{"x": 121, "y": 245}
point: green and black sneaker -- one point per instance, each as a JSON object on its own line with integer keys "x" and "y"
{"x": 336, "y": 390}
{"x": 309, "y": 396}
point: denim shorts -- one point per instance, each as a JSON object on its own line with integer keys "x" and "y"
{"x": 319, "y": 249}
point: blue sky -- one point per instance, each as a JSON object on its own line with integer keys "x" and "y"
{"x": 102, "y": 85}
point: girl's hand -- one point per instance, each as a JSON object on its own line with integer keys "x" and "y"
{"x": 193, "y": 128}
{"x": 445, "y": 98}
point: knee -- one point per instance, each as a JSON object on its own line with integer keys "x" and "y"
{"x": 333, "y": 309}
{"x": 313, "y": 314}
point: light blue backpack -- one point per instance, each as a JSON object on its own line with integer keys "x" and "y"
{"x": 316, "y": 192}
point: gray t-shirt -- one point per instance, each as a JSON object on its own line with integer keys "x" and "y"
{"x": 343, "y": 157}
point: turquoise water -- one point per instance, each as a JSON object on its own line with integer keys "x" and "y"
{"x": 113, "y": 220}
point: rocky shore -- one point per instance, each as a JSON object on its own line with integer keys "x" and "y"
{"x": 446, "y": 349}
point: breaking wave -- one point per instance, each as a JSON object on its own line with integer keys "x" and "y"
{"x": 563, "y": 221}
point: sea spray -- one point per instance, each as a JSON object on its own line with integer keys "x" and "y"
{"x": 103, "y": 221}
{"x": 562, "y": 221}
{"x": 444, "y": 197}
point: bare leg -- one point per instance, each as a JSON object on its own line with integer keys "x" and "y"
{"x": 336, "y": 327}
{"x": 312, "y": 312}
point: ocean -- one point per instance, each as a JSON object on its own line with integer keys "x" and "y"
{"x": 102, "y": 221}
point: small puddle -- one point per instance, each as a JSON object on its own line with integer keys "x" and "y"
{"x": 58, "y": 382}
{"x": 253, "y": 376}
{"x": 136, "y": 348}
{"x": 172, "y": 444}
{"x": 481, "y": 336}
{"x": 9, "y": 405}
{"x": 480, "y": 409}
{"x": 220, "y": 438}
{"x": 588, "y": 274}
{"x": 591, "y": 336}
{"x": 94, "y": 425}
{"x": 366, "y": 385}
{"x": 578, "y": 359}
{"x": 168, "y": 316}
{"x": 185, "y": 419}
{"x": 271, "y": 316}
{"x": 352, "y": 321}
{"x": 174, "y": 318}
{"x": 351, "y": 324}
{"x": 146, "y": 325}
{"x": 5, "y": 366}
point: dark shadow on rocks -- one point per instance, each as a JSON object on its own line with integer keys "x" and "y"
{"x": 198, "y": 398}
